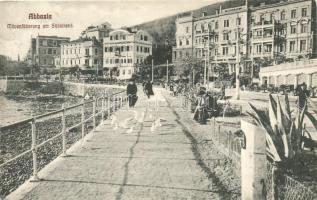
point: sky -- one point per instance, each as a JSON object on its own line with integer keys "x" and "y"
{"x": 80, "y": 14}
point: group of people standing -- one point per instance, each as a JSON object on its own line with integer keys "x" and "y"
{"x": 205, "y": 105}
{"x": 132, "y": 90}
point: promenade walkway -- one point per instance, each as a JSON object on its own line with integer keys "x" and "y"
{"x": 130, "y": 159}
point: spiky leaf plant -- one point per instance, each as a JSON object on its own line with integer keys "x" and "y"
{"x": 284, "y": 131}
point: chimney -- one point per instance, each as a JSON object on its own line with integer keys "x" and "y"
{"x": 204, "y": 14}
{"x": 220, "y": 9}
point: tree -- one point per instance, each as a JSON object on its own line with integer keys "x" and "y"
{"x": 144, "y": 69}
{"x": 12, "y": 68}
{"x": 187, "y": 66}
{"x": 35, "y": 69}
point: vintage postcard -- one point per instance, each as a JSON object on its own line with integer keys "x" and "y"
{"x": 157, "y": 99}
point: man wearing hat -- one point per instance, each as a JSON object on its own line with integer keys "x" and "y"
{"x": 131, "y": 93}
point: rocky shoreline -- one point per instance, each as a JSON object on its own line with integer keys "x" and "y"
{"x": 17, "y": 139}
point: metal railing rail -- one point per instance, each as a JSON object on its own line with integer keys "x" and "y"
{"x": 114, "y": 102}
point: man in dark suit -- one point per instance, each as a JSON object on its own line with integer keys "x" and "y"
{"x": 131, "y": 93}
{"x": 148, "y": 89}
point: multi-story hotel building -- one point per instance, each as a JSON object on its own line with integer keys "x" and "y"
{"x": 212, "y": 38}
{"x": 84, "y": 52}
{"x": 44, "y": 50}
{"x": 277, "y": 32}
{"x": 98, "y": 32}
{"x": 123, "y": 50}
{"x": 284, "y": 29}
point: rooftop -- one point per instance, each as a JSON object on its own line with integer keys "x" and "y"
{"x": 80, "y": 40}
{"x": 53, "y": 36}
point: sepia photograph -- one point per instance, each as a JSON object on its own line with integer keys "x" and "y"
{"x": 158, "y": 100}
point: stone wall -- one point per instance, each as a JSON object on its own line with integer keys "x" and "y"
{"x": 11, "y": 85}
{"x": 81, "y": 89}
{"x": 3, "y": 85}
{"x": 74, "y": 89}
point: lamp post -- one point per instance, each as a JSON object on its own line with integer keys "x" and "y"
{"x": 238, "y": 67}
{"x": 206, "y": 75}
{"x": 167, "y": 71}
{"x": 152, "y": 71}
{"x": 205, "y": 69}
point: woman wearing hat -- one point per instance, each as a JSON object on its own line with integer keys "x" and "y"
{"x": 200, "y": 114}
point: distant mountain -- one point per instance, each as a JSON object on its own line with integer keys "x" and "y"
{"x": 164, "y": 28}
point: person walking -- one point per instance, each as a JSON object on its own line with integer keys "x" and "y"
{"x": 132, "y": 93}
{"x": 148, "y": 89}
{"x": 303, "y": 94}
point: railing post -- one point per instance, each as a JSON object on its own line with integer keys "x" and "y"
{"x": 83, "y": 119}
{"x": 181, "y": 101}
{"x": 229, "y": 143}
{"x": 128, "y": 102}
{"x": 214, "y": 127}
{"x": 64, "y": 130}
{"x": 102, "y": 108}
{"x": 34, "y": 150}
{"x": 253, "y": 162}
{"x": 156, "y": 108}
{"x": 114, "y": 103}
{"x": 274, "y": 188}
{"x": 121, "y": 101}
{"x": 94, "y": 112}
{"x": 109, "y": 105}
{"x": 219, "y": 133}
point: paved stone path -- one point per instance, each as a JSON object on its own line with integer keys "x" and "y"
{"x": 139, "y": 161}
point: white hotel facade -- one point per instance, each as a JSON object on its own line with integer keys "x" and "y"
{"x": 84, "y": 52}
{"x": 124, "y": 50}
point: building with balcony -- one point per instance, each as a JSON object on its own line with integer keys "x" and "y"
{"x": 98, "y": 32}
{"x": 213, "y": 39}
{"x": 84, "y": 53}
{"x": 44, "y": 49}
{"x": 271, "y": 33}
{"x": 283, "y": 30}
{"x": 124, "y": 50}
{"x": 184, "y": 37}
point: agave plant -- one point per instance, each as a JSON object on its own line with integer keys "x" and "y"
{"x": 284, "y": 129}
